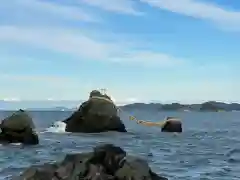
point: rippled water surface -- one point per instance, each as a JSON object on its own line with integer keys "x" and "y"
{"x": 209, "y": 147}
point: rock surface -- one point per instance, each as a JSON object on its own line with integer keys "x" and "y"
{"x": 172, "y": 126}
{"x": 106, "y": 162}
{"x": 18, "y": 128}
{"x": 98, "y": 114}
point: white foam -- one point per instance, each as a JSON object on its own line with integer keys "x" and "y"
{"x": 57, "y": 127}
{"x": 16, "y": 144}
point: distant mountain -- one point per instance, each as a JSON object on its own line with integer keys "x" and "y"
{"x": 37, "y": 105}
{"x": 142, "y": 106}
{"x": 72, "y": 105}
{"x": 210, "y": 106}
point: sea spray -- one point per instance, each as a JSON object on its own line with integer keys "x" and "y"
{"x": 57, "y": 127}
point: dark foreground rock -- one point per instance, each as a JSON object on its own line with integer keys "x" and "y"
{"x": 98, "y": 114}
{"x": 106, "y": 162}
{"x": 18, "y": 128}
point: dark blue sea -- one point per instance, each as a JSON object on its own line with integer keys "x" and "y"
{"x": 209, "y": 147}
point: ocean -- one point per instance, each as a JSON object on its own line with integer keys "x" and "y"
{"x": 209, "y": 147}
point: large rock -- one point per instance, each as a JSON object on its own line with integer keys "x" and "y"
{"x": 98, "y": 114}
{"x": 18, "y": 128}
{"x": 106, "y": 162}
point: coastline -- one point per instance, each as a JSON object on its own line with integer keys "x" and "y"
{"x": 210, "y": 106}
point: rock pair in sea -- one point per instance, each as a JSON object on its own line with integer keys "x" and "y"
{"x": 97, "y": 114}
{"x": 100, "y": 114}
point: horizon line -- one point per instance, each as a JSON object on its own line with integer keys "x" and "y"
{"x": 125, "y": 102}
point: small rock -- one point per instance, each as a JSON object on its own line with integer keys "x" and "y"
{"x": 18, "y": 128}
{"x": 172, "y": 126}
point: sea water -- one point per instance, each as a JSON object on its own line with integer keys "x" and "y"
{"x": 209, "y": 147}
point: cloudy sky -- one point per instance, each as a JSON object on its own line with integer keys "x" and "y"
{"x": 165, "y": 50}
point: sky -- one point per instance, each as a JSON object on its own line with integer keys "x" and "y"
{"x": 139, "y": 50}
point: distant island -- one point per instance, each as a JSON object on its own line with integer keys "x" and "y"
{"x": 210, "y": 106}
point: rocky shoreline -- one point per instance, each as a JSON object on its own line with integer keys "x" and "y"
{"x": 105, "y": 162}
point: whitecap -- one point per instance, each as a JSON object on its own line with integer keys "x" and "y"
{"x": 57, "y": 127}
{"x": 16, "y": 144}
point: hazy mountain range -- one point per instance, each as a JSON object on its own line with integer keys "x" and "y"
{"x": 212, "y": 106}
{"x": 72, "y": 105}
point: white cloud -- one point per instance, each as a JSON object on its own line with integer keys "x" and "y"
{"x": 149, "y": 59}
{"x": 27, "y": 8}
{"x": 181, "y": 90}
{"x": 34, "y": 87}
{"x": 198, "y": 9}
{"x": 14, "y": 99}
{"x": 60, "y": 40}
{"x": 30, "y": 87}
{"x": 76, "y": 44}
{"x": 119, "y": 6}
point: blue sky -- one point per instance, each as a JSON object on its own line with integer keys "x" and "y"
{"x": 165, "y": 50}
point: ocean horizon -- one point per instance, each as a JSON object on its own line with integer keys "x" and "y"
{"x": 10, "y": 105}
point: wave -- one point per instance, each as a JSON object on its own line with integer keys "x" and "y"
{"x": 57, "y": 127}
